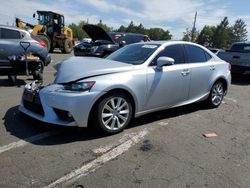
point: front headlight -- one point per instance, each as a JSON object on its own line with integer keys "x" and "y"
{"x": 79, "y": 86}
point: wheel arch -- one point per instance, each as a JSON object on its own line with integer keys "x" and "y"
{"x": 223, "y": 80}
{"x": 116, "y": 90}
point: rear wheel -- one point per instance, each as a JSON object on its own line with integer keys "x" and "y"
{"x": 46, "y": 40}
{"x": 113, "y": 113}
{"x": 68, "y": 46}
{"x": 216, "y": 95}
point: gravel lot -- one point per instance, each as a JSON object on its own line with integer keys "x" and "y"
{"x": 163, "y": 149}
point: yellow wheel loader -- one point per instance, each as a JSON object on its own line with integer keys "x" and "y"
{"x": 51, "y": 30}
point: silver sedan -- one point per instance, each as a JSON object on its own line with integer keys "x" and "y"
{"x": 133, "y": 81}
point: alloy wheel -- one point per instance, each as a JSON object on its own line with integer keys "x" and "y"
{"x": 115, "y": 113}
{"x": 217, "y": 93}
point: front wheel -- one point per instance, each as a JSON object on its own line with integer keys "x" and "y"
{"x": 113, "y": 113}
{"x": 216, "y": 95}
{"x": 38, "y": 72}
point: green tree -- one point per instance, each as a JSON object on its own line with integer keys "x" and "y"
{"x": 187, "y": 35}
{"x": 239, "y": 31}
{"x": 153, "y": 33}
{"x": 78, "y": 32}
{"x": 222, "y": 34}
{"x": 121, "y": 29}
{"x": 104, "y": 26}
{"x": 206, "y": 36}
{"x": 158, "y": 34}
{"x": 131, "y": 27}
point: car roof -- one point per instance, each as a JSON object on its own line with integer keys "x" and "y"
{"x": 172, "y": 42}
{"x": 125, "y": 33}
{"x": 44, "y": 11}
{"x": 13, "y": 28}
{"x": 169, "y": 42}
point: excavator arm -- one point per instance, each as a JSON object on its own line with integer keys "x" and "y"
{"x": 23, "y": 25}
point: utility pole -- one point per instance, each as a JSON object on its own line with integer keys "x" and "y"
{"x": 194, "y": 27}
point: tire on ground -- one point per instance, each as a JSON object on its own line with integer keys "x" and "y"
{"x": 97, "y": 120}
{"x": 38, "y": 72}
{"x": 216, "y": 94}
{"x": 67, "y": 46}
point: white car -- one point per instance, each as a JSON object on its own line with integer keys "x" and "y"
{"x": 135, "y": 80}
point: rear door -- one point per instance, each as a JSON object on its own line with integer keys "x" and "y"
{"x": 202, "y": 71}
{"x": 168, "y": 86}
{"x": 9, "y": 45}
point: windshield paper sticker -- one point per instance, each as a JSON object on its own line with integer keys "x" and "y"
{"x": 149, "y": 46}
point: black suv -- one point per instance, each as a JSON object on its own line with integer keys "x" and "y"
{"x": 15, "y": 44}
{"x": 104, "y": 43}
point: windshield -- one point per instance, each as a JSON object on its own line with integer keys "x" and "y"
{"x": 240, "y": 47}
{"x": 135, "y": 54}
{"x": 43, "y": 19}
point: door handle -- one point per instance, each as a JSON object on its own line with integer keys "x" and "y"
{"x": 212, "y": 67}
{"x": 185, "y": 72}
{"x": 236, "y": 57}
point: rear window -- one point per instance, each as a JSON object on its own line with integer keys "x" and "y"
{"x": 10, "y": 34}
{"x": 241, "y": 47}
{"x": 128, "y": 38}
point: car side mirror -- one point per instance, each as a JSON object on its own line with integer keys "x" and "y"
{"x": 34, "y": 15}
{"x": 122, "y": 43}
{"x": 164, "y": 61}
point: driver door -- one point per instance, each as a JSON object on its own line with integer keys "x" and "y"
{"x": 168, "y": 86}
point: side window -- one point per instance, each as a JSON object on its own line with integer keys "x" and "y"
{"x": 208, "y": 56}
{"x": 195, "y": 54}
{"x": 128, "y": 39}
{"x": 9, "y": 34}
{"x": 138, "y": 38}
{"x": 174, "y": 51}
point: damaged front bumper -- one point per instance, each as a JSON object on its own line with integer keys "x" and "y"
{"x": 51, "y": 105}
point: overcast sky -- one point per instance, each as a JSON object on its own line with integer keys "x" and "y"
{"x": 175, "y": 16}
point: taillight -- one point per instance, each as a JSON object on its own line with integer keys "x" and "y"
{"x": 40, "y": 42}
{"x": 229, "y": 66}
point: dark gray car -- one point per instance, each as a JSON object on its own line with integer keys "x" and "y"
{"x": 12, "y": 44}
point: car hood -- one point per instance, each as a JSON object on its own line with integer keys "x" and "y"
{"x": 78, "y": 68}
{"x": 97, "y": 33}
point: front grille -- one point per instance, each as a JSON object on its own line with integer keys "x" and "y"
{"x": 34, "y": 106}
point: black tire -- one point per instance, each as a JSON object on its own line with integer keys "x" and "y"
{"x": 67, "y": 46}
{"x": 12, "y": 79}
{"x": 216, "y": 95}
{"x": 38, "y": 72}
{"x": 51, "y": 49}
{"x": 46, "y": 40}
{"x": 120, "y": 117}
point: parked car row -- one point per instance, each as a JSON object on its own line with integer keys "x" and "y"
{"x": 104, "y": 43}
{"x": 131, "y": 79}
